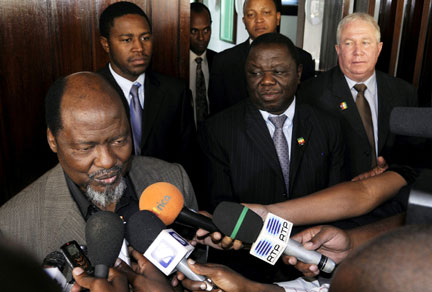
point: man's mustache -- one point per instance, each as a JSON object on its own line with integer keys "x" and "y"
{"x": 105, "y": 173}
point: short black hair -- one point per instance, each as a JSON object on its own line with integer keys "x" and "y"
{"x": 277, "y": 3}
{"x": 198, "y": 7}
{"x": 106, "y": 20}
{"x": 280, "y": 39}
{"x": 53, "y": 101}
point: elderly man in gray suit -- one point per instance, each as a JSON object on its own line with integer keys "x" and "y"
{"x": 89, "y": 130}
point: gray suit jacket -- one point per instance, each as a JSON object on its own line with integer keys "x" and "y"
{"x": 44, "y": 216}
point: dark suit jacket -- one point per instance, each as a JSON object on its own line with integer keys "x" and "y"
{"x": 330, "y": 89}
{"x": 243, "y": 165}
{"x": 227, "y": 84}
{"x": 210, "y": 54}
{"x": 168, "y": 128}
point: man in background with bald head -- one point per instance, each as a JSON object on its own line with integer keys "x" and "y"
{"x": 89, "y": 130}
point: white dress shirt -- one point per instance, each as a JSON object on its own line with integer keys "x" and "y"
{"x": 192, "y": 75}
{"x": 126, "y": 86}
{"x": 288, "y": 125}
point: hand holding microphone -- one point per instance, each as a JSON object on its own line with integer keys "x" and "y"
{"x": 53, "y": 264}
{"x": 270, "y": 239}
{"x": 166, "y": 201}
{"x": 104, "y": 235}
{"x": 117, "y": 283}
{"x": 166, "y": 249}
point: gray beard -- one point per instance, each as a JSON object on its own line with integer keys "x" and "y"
{"x": 109, "y": 196}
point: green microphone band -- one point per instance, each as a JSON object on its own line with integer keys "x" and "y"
{"x": 239, "y": 222}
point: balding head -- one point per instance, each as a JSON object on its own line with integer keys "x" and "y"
{"x": 398, "y": 261}
{"x": 89, "y": 130}
{"x": 82, "y": 86}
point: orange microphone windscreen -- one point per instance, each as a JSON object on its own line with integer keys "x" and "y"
{"x": 163, "y": 199}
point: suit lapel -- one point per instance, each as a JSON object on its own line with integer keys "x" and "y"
{"x": 342, "y": 98}
{"x": 384, "y": 109}
{"x": 209, "y": 55}
{"x": 61, "y": 212}
{"x": 257, "y": 131}
{"x": 300, "y": 139}
{"x": 153, "y": 100}
{"x": 110, "y": 78}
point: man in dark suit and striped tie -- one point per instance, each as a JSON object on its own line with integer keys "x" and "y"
{"x": 200, "y": 59}
{"x": 268, "y": 148}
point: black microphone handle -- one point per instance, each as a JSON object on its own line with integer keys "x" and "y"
{"x": 194, "y": 219}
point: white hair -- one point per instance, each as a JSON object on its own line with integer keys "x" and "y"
{"x": 108, "y": 196}
{"x": 358, "y": 16}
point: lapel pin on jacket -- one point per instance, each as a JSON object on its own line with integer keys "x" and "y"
{"x": 343, "y": 105}
{"x": 301, "y": 141}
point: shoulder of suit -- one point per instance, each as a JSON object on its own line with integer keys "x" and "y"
{"x": 315, "y": 113}
{"x": 230, "y": 114}
{"x": 34, "y": 192}
{"x": 210, "y": 52}
{"x": 304, "y": 52}
{"x": 150, "y": 163}
{"x": 394, "y": 80}
{"x": 234, "y": 51}
{"x": 164, "y": 80}
{"x": 315, "y": 85}
{"x": 104, "y": 70}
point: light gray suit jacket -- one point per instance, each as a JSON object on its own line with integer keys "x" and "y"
{"x": 44, "y": 216}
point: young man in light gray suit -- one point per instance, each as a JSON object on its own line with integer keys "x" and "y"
{"x": 89, "y": 130}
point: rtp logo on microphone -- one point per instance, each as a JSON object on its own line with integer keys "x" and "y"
{"x": 272, "y": 239}
{"x": 278, "y": 227}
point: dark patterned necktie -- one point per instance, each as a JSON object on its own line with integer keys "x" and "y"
{"x": 136, "y": 117}
{"x": 200, "y": 93}
{"x": 366, "y": 117}
{"x": 281, "y": 146}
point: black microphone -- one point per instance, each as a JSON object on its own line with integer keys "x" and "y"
{"x": 270, "y": 239}
{"x": 243, "y": 224}
{"x": 104, "y": 236}
{"x": 411, "y": 121}
{"x": 165, "y": 248}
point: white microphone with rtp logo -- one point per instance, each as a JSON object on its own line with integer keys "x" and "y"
{"x": 270, "y": 239}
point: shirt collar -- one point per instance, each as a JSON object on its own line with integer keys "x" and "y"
{"x": 289, "y": 112}
{"x": 124, "y": 83}
{"x": 370, "y": 83}
{"x": 193, "y": 56}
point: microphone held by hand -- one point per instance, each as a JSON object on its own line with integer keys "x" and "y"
{"x": 165, "y": 248}
{"x": 271, "y": 239}
{"x": 166, "y": 201}
{"x": 104, "y": 235}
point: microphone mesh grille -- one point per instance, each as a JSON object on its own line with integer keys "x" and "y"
{"x": 104, "y": 235}
{"x": 142, "y": 229}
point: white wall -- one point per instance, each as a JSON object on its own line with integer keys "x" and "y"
{"x": 288, "y": 26}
